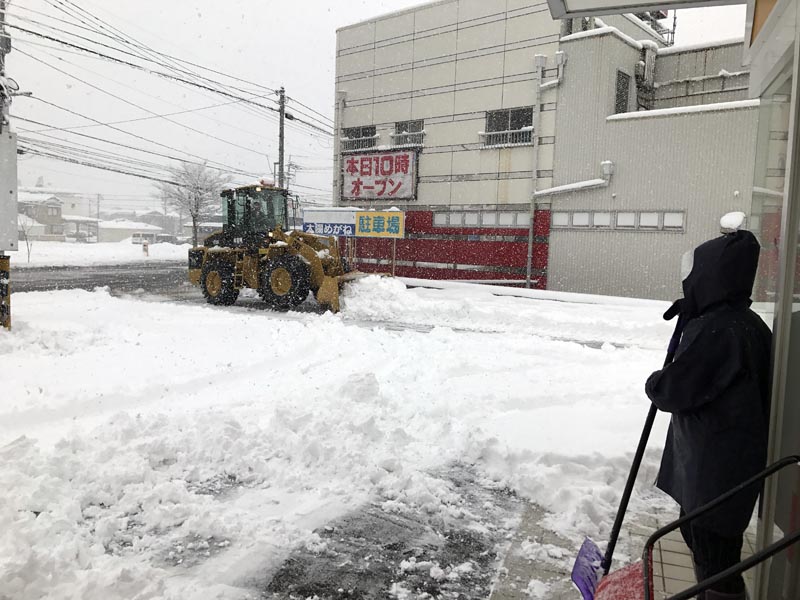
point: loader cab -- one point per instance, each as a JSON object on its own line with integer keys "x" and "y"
{"x": 254, "y": 210}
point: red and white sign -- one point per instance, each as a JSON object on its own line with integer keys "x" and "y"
{"x": 379, "y": 176}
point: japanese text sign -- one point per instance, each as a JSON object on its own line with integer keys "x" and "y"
{"x": 331, "y": 221}
{"x": 382, "y": 175}
{"x": 382, "y": 224}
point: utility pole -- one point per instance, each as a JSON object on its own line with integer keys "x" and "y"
{"x": 97, "y": 229}
{"x": 8, "y": 202}
{"x": 281, "y": 137}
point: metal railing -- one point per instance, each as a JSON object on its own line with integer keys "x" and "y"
{"x": 359, "y": 143}
{"x": 415, "y": 138}
{"x": 516, "y": 137}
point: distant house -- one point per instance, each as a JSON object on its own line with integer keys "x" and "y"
{"x": 119, "y": 230}
{"x": 80, "y": 228}
{"x": 44, "y": 209}
{"x": 169, "y": 222}
{"x": 72, "y": 202}
{"x": 29, "y": 228}
{"x": 203, "y": 229}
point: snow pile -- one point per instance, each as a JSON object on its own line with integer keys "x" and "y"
{"x": 157, "y": 458}
{"x": 60, "y": 254}
{"x": 475, "y": 308}
{"x": 537, "y": 590}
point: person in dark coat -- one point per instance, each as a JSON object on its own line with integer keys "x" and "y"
{"x": 718, "y": 392}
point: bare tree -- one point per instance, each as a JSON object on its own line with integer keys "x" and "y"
{"x": 195, "y": 191}
{"x": 25, "y": 225}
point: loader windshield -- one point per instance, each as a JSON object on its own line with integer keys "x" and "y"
{"x": 256, "y": 209}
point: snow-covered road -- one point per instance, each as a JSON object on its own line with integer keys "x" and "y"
{"x": 134, "y": 434}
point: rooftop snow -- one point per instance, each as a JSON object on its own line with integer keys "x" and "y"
{"x": 37, "y": 197}
{"x": 644, "y": 27}
{"x": 571, "y": 187}
{"x": 680, "y": 110}
{"x": 26, "y": 221}
{"x": 124, "y": 224}
{"x": 48, "y": 190}
{"x": 699, "y": 46}
{"x": 603, "y": 31}
{"x": 78, "y": 219}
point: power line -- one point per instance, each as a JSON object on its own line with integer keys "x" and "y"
{"x": 164, "y": 75}
{"x": 120, "y": 38}
{"x": 180, "y": 112}
{"x": 94, "y": 166}
{"x": 311, "y": 109}
{"x": 139, "y": 67}
{"x": 99, "y": 89}
{"x": 121, "y": 145}
{"x": 162, "y": 100}
{"x": 92, "y": 152}
{"x": 127, "y": 39}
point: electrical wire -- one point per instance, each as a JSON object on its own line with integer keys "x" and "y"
{"x": 120, "y": 37}
{"x": 95, "y": 166}
{"x": 163, "y": 75}
{"x": 121, "y": 145}
{"x": 180, "y": 112}
{"x": 99, "y": 89}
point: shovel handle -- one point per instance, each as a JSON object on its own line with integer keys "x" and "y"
{"x": 637, "y": 458}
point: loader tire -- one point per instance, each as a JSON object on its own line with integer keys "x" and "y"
{"x": 216, "y": 281}
{"x": 285, "y": 282}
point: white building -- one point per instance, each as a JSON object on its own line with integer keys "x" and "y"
{"x": 120, "y": 230}
{"x": 496, "y": 108}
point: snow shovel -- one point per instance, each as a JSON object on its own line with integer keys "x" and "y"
{"x": 591, "y": 565}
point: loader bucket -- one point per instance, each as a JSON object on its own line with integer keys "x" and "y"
{"x": 328, "y": 293}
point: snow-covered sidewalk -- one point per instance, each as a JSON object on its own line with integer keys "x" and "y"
{"x": 64, "y": 254}
{"x": 135, "y": 433}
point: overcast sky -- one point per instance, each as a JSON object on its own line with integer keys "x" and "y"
{"x": 289, "y": 43}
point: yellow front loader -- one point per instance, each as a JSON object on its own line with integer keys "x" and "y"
{"x": 255, "y": 249}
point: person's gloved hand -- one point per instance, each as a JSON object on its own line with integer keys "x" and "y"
{"x": 677, "y": 308}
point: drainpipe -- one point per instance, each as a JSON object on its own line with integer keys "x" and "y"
{"x": 540, "y": 61}
{"x": 337, "y": 147}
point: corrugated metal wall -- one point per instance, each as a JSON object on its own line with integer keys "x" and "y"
{"x": 700, "y": 163}
{"x": 585, "y": 99}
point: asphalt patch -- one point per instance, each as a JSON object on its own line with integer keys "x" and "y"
{"x": 400, "y": 551}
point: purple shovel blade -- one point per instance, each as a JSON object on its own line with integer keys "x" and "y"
{"x": 586, "y": 571}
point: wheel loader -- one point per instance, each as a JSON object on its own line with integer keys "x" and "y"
{"x": 256, "y": 249}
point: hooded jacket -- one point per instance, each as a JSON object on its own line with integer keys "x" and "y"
{"x": 717, "y": 387}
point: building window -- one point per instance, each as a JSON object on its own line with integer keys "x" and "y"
{"x": 513, "y": 126}
{"x": 359, "y": 138}
{"x": 580, "y": 219}
{"x": 506, "y": 219}
{"x": 52, "y": 211}
{"x": 621, "y": 98}
{"x": 471, "y": 218}
{"x": 559, "y": 219}
{"x": 673, "y": 220}
{"x": 408, "y": 133}
{"x": 490, "y": 218}
{"x": 648, "y": 220}
{"x": 626, "y": 219}
{"x": 601, "y": 219}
